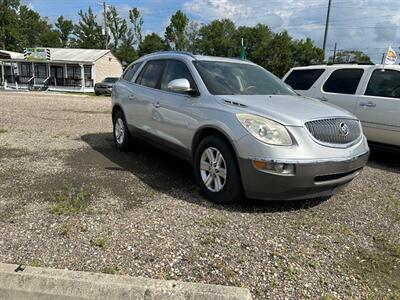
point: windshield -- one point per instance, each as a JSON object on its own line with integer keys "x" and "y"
{"x": 111, "y": 79}
{"x": 227, "y": 78}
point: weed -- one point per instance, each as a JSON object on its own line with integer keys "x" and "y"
{"x": 110, "y": 270}
{"x": 213, "y": 221}
{"x": 2, "y": 130}
{"x": 100, "y": 242}
{"x": 208, "y": 240}
{"x": 66, "y": 230}
{"x": 69, "y": 202}
{"x": 36, "y": 262}
{"x": 327, "y": 297}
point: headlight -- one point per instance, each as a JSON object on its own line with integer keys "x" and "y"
{"x": 265, "y": 130}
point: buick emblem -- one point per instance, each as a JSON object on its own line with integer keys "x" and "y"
{"x": 343, "y": 129}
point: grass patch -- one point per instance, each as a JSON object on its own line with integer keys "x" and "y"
{"x": 213, "y": 221}
{"x": 2, "y": 130}
{"x": 380, "y": 268}
{"x": 69, "y": 202}
{"x": 110, "y": 270}
{"x": 36, "y": 262}
{"x": 100, "y": 242}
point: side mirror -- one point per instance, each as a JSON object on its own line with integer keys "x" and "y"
{"x": 180, "y": 85}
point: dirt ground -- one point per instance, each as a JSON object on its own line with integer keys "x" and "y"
{"x": 69, "y": 199}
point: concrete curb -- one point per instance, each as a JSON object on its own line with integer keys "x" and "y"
{"x": 45, "y": 284}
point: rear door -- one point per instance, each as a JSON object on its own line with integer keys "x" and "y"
{"x": 340, "y": 88}
{"x": 172, "y": 112}
{"x": 379, "y": 106}
{"x": 142, "y": 95}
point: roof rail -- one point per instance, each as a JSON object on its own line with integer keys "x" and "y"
{"x": 351, "y": 63}
{"x": 173, "y": 52}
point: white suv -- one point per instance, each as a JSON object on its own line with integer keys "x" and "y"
{"x": 371, "y": 92}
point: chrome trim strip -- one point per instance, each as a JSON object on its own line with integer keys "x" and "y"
{"x": 311, "y": 161}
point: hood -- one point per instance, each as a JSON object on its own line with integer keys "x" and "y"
{"x": 286, "y": 109}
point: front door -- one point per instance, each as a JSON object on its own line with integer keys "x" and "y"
{"x": 57, "y": 75}
{"x": 379, "y": 107}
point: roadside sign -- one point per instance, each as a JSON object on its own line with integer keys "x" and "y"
{"x": 35, "y": 54}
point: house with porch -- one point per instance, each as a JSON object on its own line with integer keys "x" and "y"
{"x": 59, "y": 69}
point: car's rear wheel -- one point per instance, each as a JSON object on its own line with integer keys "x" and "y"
{"x": 120, "y": 132}
{"x": 217, "y": 172}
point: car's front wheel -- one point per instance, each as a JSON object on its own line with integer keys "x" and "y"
{"x": 120, "y": 132}
{"x": 217, "y": 172}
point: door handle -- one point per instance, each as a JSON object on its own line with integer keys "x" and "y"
{"x": 157, "y": 105}
{"x": 367, "y": 104}
{"x": 323, "y": 98}
{"x": 132, "y": 97}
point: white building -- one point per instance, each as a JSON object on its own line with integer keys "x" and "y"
{"x": 64, "y": 70}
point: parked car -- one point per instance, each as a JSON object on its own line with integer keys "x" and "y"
{"x": 371, "y": 92}
{"x": 106, "y": 86}
{"x": 242, "y": 128}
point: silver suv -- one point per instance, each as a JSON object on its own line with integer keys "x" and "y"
{"x": 242, "y": 128}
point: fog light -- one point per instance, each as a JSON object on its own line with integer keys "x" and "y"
{"x": 274, "y": 168}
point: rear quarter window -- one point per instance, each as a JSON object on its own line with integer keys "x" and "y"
{"x": 384, "y": 83}
{"x": 131, "y": 71}
{"x": 303, "y": 79}
{"x": 343, "y": 81}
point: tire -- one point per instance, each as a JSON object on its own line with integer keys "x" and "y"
{"x": 97, "y": 93}
{"x": 121, "y": 135}
{"x": 219, "y": 190}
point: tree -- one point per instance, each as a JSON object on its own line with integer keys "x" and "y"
{"x": 65, "y": 28}
{"x": 192, "y": 36}
{"x": 35, "y": 31}
{"x": 117, "y": 25}
{"x": 256, "y": 40}
{"x": 280, "y": 54}
{"x": 347, "y": 57}
{"x": 88, "y": 31}
{"x": 305, "y": 53}
{"x": 218, "y": 39}
{"x": 125, "y": 52}
{"x": 152, "y": 43}
{"x": 137, "y": 23}
{"x": 9, "y": 32}
{"x": 175, "y": 31}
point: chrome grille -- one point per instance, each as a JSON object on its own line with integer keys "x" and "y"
{"x": 335, "y": 131}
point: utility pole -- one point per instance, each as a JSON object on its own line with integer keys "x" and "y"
{"x": 327, "y": 25}
{"x": 334, "y": 54}
{"x": 104, "y": 4}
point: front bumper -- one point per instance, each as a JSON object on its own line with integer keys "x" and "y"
{"x": 103, "y": 90}
{"x": 312, "y": 179}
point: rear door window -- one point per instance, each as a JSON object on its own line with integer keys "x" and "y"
{"x": 151, "y": 74}
{"x": 343, "y": 81}
{"x": 303, "y": 79}
{"x": 384, "y": 84}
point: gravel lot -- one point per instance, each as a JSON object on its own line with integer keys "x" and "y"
{"x": 141, "y": 213}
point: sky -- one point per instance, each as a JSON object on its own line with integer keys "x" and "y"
{"x": 368, "y": 25}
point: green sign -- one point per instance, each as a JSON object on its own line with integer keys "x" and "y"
{"x": 35, "y": 54}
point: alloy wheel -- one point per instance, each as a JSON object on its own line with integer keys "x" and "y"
{"x": 213, "y": 169}
{"x": 119, "y": 130}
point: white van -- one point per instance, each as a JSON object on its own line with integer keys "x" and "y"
{"x": 371, "y": 92}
